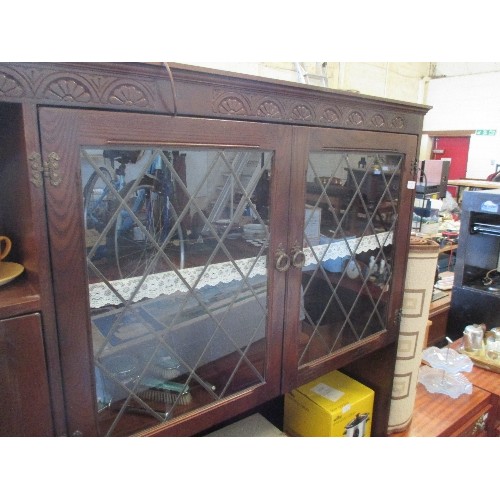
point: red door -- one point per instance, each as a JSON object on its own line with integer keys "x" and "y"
{"x": 456, "y": 148}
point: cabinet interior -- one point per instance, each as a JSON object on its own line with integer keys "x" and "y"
{"x": 16, "y": 216}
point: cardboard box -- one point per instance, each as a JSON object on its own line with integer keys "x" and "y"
{"x": 333, "y": 405}
{"x": 255, "y": 425}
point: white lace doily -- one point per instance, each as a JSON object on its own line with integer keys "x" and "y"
{"x": 166, "y": 283}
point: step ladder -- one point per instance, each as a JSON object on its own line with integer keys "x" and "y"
{"x": 245, "y": 186}
{"x": 318, "y": 78}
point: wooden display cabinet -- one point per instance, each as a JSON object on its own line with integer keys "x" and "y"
{"x": 183, "y": 268}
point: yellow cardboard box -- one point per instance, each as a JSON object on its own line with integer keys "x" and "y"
{"x": 333, "y": 405}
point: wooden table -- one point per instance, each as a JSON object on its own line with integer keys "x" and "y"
{"x": 489, "y": 381}
{"x": 440, "y": 415}
{"x": 472, "y": 184}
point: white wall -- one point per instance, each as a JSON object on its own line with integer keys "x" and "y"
{"x": 468, "y": 102}
{"x": 401, "y": 81}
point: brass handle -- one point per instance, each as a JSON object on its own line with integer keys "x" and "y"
{"x": 298, "y": 257}
{"x": 480, "y": 425}
{"x": 282, "y": 260}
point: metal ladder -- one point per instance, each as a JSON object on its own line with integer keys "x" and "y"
{"x": 248, "y": 182}
{"x": 319, "y": 76}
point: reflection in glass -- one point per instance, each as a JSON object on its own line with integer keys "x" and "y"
{"x": 176, "y": 253}
{"x": 350, "y": 216}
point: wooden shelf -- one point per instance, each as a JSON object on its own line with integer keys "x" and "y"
{"x": 18, "y": 297}
{"x": 474, "y": 183}
{"x": 448, "y": 248}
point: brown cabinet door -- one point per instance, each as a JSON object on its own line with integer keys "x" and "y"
{"x": 352, "y": 222}
{"x": 164, "y": 233}
{"x": 24, "y": 390}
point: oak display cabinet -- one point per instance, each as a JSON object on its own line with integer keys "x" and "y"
{"x": 196, "y": 243}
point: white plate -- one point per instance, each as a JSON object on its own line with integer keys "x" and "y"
{"x": 447, "y": 359}
{"x": 443, "y": 286}
{"x": 438, "y": 381}
{"x": 255, "y": 230}
{"x": 254, "y": 227}
{"x": 9, "y": 271}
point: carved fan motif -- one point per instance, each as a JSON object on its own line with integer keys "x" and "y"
{"x": 128, "y": 95}
{"x": 330, "y": 115}
{"x": 68, "y": 90}
{"x": 270, "y": 109}
{"x": 9, "y": 86}
{"x": 232, "y": 106}
{"x": 302, "y": 112}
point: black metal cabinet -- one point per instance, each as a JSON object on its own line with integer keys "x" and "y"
{"x": 476, "y": 286}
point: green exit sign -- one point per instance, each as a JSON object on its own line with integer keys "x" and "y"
{"x": 484, "y": 131}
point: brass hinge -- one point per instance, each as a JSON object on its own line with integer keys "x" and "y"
{"x": 50, "y": 169}
{"x": 414, "y": 167}
{"x": 397, "y": 318}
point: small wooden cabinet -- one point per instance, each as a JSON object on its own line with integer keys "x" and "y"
{"x": 438, "y": 315}
{"x": 489, "y": 381}
{"x": 469, "y": 415}
{"x": 24, "y": 390}
{"x": 438, "y": 415}
{"x": 182, "y": 247}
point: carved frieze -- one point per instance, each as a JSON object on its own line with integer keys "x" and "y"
{"x": 78, "y": 87}
{"x": 148, "y": 88}
{"x": 314, "y": 111}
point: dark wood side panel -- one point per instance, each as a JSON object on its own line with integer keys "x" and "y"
{"x": 24, "y": 389}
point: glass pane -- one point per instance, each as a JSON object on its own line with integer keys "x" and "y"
{"x": 350, "y": 215}
{"x": 177, "y": 252}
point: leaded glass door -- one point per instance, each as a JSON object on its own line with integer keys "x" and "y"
{"x": 354, "y": 241}
{"x": 166, "y": 308}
